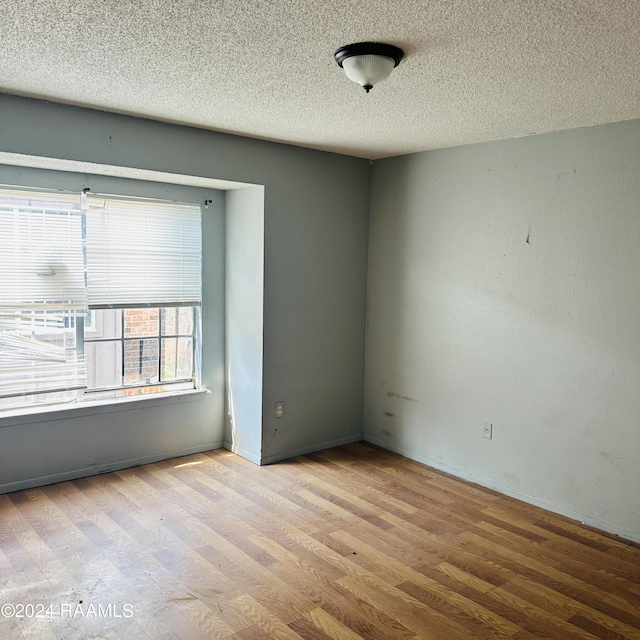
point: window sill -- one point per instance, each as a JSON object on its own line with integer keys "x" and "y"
{"x": 90, "y": 408}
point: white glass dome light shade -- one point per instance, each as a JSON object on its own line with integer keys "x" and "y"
{"x": 368, "y": 70}
{"x": 368, "y": 63}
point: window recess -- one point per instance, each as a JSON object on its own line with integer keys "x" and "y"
{"x": 100, "y": 297}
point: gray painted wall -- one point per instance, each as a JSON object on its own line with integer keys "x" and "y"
{"x": 315, "y": 253}
{"x": 503, "y": 288}
{"x": 244, "y": 292}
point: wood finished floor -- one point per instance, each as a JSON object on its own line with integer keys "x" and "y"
{"x": 353, "y": 542}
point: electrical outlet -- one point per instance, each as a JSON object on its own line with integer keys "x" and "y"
{"x": 279, "y": 412}
{"x": 487, "y": 430}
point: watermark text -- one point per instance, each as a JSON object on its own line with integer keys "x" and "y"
{"x": 66, "y": 610}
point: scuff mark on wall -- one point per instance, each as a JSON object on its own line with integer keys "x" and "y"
{"x": 392, "y": 394}
{"x": 612, "y": 459}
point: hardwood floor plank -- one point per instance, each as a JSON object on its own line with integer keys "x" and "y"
{"x": 469, "y": 576}
{"x": 419, "y": 618}
{"x": 482, "y": 627}
{"x": 330, "y": 626}
{"x": 523, "y": 562}
{"x": 626, "y": 625}
{"x": 540, "y": 596}
{"x": 12, "y": 520}
{"x": 300, "y": 560}
{"x": 263, "y": 619}
{"x": 251, "y": 633}
{"x": 432, "y": 593}
{"x": 534, "y": 621}
{"x": 307, "y": 630}
{"x": 352, "y": 542}
{"x": 539, "y": 618}
{"x": 345, "y": 608}
{"x": 599, "y": 630}
{"x": 255, "y": 580}
{"x": 9, "y": 627}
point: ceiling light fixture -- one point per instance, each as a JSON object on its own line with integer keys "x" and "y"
{"x": 368, "y": 63}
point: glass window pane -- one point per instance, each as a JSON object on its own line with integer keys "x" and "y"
{"x": 140, "y": 323}
{"x": 177, "y": 358}
{"x": 141, "y": 357}
{"x": 37, "y": 353}
{"x": 103, "y": 323}
{"x": 177, "y": 321}
{"x": 104, "y": 364}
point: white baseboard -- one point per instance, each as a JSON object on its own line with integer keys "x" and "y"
{"x": 229, "y": 446}
{"x": 74, "y": 474}
{"x": 549, "y": 505}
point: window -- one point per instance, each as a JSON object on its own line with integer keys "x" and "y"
{"x": 135, "y": 351}
{"x": 99, "y": 297}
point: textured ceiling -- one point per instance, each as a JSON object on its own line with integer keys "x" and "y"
{"x": 474, "y": 70}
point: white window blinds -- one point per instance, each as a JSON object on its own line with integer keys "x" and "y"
{"x": 42, "y": 291}
{"x": 41, "y": 251}
{"x": 142, "y": 253}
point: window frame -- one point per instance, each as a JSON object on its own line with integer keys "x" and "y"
{"x": 122, "y": 339}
